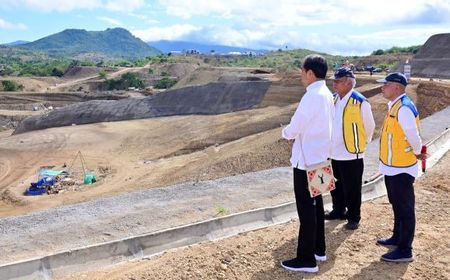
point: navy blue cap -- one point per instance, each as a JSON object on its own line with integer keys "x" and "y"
{"x": 342, "y": 72}
{"x": 395, "y": 77}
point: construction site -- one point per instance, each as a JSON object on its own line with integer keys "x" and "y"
{"x": 194, "y": 182}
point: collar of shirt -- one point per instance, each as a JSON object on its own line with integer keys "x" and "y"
{"x": 346, "y": 97}
{"x": 315, "y": 85}
{"x": 390, "y": 103}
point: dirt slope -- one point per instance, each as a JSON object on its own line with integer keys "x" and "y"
{"x": 142, "y": 153}
{"x": 433, "y": 58}
{"x": 131, "y": 155}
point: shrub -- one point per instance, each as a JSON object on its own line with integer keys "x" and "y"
{"x": 378, "y": 52}
{"x": 165, "y": 83}
{"x": 57, "y": 72}
{"x": 8, "y": 85}
{"x": 102, "y": 75}
{"x": 126, "y": 80}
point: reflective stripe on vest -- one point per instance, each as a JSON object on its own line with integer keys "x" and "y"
{"x": 395, "y": 150}
{"x": 352, "y": 124}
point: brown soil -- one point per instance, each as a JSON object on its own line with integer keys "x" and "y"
{"x": 351, "y": 255}
{"x": 35, "y": 84}
{"x": 164, "y": 151}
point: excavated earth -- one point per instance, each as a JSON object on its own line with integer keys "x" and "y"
{"x": 148, "y": 153}
{"x": 133, "y": 155}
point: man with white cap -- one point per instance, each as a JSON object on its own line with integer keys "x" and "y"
{"x": 353, "y": 127}
{"x": 400, "y": 148}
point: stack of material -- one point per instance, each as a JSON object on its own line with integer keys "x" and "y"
{"x": 49, "y": 181}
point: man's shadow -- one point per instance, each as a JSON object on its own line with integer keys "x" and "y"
{"x": 333, "y": 237}
{"x": 381, "y": 270}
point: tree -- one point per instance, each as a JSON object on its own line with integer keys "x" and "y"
{"x": 297, "y": 63}
{"x": 378, "y": 52}
{"x": 165, "y": 83}
{"x": 126, "y": 80}
{"x": 102, "y": 75}
{"x": 8, "y": 85}
{"x": 57, "y": 72}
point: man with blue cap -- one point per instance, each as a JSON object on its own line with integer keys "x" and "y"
{"x": 400, "y": 148}
{"x": 353, "y": 127}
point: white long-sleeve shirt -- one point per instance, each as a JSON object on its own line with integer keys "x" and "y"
{"x": 310, "y": 127}
{"x": 407, "y": 121}
{"x": 338, "y": 150}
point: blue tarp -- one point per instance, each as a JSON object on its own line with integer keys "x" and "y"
{"x": 49, "y": 172}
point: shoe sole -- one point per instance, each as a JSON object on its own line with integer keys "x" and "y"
{"x": 351, "y": 228}
{"x": 320, "y": 258}
{"x": 301, "y": 269}
{"x": 387, "y": 245}
{"x": 398, "y": 260}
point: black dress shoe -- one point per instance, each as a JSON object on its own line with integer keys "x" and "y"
{"x": 334, "y": 216}
{"x": 352, "y": 225}
{"x": 299, "y": 266}
{"x": 387, "y": 242}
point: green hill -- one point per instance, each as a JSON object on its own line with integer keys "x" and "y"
{"x": 111, "y": 43}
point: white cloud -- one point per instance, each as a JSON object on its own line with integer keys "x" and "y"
{"x": 323, "y": 25}
{"x": 173, "y": 32}
{"x": 396, "y": 37}
{"x": 51, "y": 5}
{"x": 67, "y": 6}
{"x": 145, "y": 18}
{"x": 124, "y": 5}
{"x": 110, "y": 21}
{"x": 333, "y": 43}
{"x": 307, "y": 13}
{"x": 7, "y": 25}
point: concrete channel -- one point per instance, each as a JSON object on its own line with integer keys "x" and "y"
{"x": 435, "y": 132}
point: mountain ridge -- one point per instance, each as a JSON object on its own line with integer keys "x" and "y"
{"x": 113, "y": 42}
{"x": 167, "y": 46}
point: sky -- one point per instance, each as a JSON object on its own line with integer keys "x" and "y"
{"x": 346, "y": 27}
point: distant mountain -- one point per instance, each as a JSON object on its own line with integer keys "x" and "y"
{"x": 16, "y": 43}
{"x": 182, "y": 46}
{"x": 116, "y": 43}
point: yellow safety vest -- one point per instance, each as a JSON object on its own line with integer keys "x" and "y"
{"x": 395, "y": 149}
{"x": 352, "y": 124}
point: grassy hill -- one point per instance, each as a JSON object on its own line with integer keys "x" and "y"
{"x": 280, "y": 60}
{"x": 113, "y": 43}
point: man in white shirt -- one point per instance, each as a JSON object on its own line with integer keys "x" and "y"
{"x": 310, "y": 132}
{"x": 400, "y": 147}
{"x": 353, "y": 128}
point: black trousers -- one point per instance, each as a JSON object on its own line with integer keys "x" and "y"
{"x": 347, "y": 193}
{"x": 311, "y": 237}
{"x": 400, "y": 191}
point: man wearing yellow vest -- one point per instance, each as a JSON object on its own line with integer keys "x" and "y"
{"x": 353, "y": 127}
{"x": 400, "y": 148}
